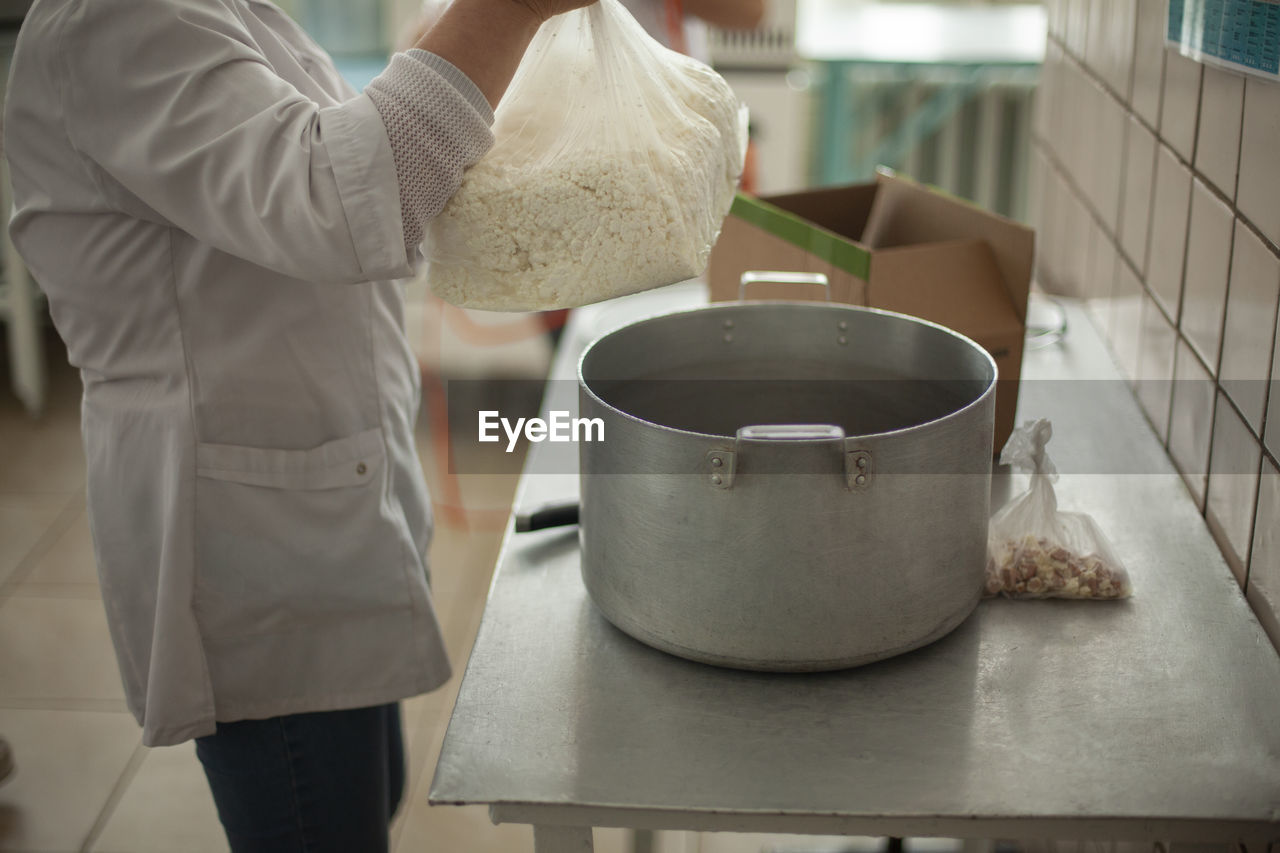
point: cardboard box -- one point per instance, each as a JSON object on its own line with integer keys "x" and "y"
{"x": 896, "y": 245}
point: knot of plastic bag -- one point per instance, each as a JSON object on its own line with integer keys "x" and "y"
{"x": 1025, "y": 449}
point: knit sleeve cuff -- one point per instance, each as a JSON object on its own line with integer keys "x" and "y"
{"x": 438, "y": 124}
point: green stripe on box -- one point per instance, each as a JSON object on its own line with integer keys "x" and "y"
{"x": 821, "y": 243}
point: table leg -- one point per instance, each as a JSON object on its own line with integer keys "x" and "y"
{"x": 562, "y": 839}
{"x": 642, "y": 841}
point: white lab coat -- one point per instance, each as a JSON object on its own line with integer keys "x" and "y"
{"x": 214, "y": 217}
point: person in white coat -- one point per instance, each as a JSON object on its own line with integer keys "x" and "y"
{"x": 218, "y": 221}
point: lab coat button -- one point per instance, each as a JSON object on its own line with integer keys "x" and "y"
{"x": 360, "y": 468}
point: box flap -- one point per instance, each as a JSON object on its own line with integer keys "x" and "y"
{"x": 904, "y": 212}
{"x": 842, "y": 210}
{"x": 835, "y": 249}
{"x": 743, "y": 246}
{"x": 956, "y": 284}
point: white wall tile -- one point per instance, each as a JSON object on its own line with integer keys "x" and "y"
{"x": 1077, "y": 23}
{"x": 1233, "y": 485}
{"x": 1124, "y": 328}
{"x": 1181, "y": 103}
{"x": 1160, "y": 156}
{"x": 1251, "y": 324}
{"x": 1218, "y": 143}
{"x": 1100, "y": 275}
{"x": 1037, "y": 169}
{"x": 1074, "y": 251}
{"x": 1047, "y": 105}
{"x": 1049, "y": 230}
{"x": 1259, "y": 192}
{"x": 1055, "y": 17}
{"x": 1168, "y": 230}
{"x": 1105, "y": 153}
{"x": 1148, "y": 60}
{"x": 1100, "y": 280}
{"x": 1191, "y": 420}
{"x": 1139, "y": 177}
{"x": 1155, "y": 366}
{"x": 1095, "y": 35}
{"x": 1204, "y": 298}
{"x": 1272, "y": 437}
{"x": 1072, "y": 134}
{"x": 1110, "y": 48}
{"x": 1264, "y": 565}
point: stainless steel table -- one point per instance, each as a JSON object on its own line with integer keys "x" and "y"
{"x": 1157, "y": 718}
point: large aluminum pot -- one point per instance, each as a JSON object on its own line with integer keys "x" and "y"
{"x": 786, "y": 485}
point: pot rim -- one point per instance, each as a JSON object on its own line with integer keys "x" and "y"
{"x": 988, "y": 391}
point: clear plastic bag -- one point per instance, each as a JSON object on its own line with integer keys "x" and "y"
{"x": 1036, "y": 551}
{"x": 614, "y": 164}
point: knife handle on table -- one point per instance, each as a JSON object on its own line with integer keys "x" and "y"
{"x": 552, "y": 515}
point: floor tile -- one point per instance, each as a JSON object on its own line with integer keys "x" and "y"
{"x": 24, "y": 519}
{"x": 68, "y": 764}
{"x": 425, "y": 827}
{"x": 44, "y": 454}
{"x": 421, "y": 827}
{"x": 428, "y": 709}
{"x": 166, "y": 807}
{"x": 67, "y": 569}
{"x": 56, "y": 652}
{"x": 462, "y": 566}
{"x": 460, "y": 828}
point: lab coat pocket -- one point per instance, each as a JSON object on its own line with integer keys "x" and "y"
{"x": 290, "y": 539}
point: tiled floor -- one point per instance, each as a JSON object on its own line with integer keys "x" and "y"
{"x": 84, "y": 781}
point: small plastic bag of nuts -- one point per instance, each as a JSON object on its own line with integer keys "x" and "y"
{"x": 1034, "y": 550}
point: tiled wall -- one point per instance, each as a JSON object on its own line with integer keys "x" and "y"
{"x": 1156, "y": 197}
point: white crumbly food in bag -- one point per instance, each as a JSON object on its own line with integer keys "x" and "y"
{"x": 1034, "y": 567}
{"x": 600, "y": 222}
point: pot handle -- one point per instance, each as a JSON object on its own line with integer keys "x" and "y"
{"x": 721, "y": 465}
{"x": 778, "y": 277}
{"x": 791, "y": 432}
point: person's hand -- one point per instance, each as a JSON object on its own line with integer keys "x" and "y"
{"x": 543, "y": 9}
{"x": 485, "y": 39}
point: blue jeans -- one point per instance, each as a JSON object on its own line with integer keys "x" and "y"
{"x": 307, "y": 783}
